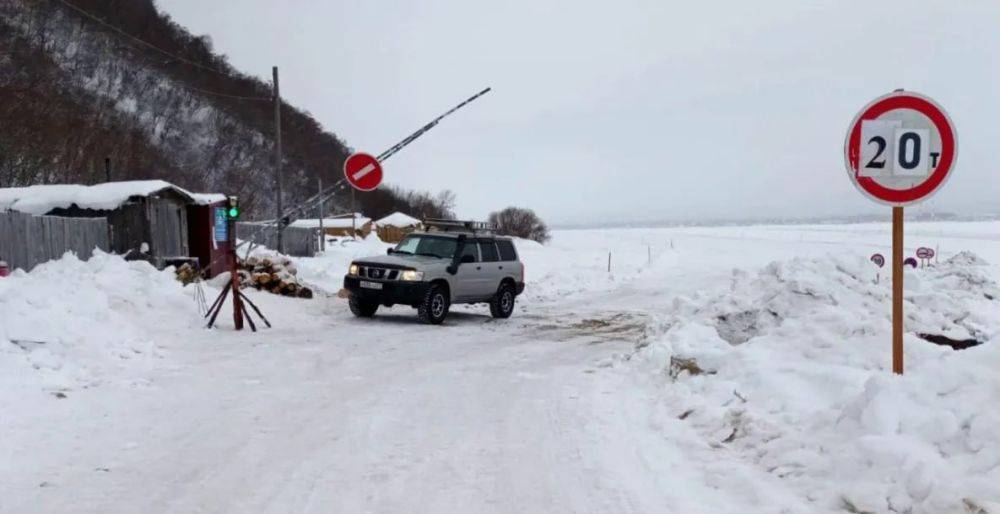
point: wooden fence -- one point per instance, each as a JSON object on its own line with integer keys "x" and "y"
{"x": 299, "y": 242}
{"x": 27, "y": 240}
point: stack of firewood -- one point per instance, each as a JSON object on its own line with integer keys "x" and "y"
{"x": 277, "y": 275}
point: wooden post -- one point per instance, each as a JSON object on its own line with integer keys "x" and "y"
{"x": 234, "y": 277}
{"x": 277, "y": 161}
{"x": 897, "y": 290}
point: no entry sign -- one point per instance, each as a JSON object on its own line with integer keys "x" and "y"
{"x": 925, "y": 253}
{"x": 900, "y": 148}
{"x": 363, "y": 171}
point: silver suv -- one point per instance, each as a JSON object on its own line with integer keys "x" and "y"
{"x": 450, "y": 262}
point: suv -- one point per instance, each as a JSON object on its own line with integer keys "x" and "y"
{"x": 450, "y": 262}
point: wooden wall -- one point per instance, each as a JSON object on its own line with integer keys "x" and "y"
{"x": 27, "y": 240}
{"x": 299, "y": 242}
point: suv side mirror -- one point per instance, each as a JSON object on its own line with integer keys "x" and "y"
{"x": 468, "y": 258}
{"x": 388, "y": 251}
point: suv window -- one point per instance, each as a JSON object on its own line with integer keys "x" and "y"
{"x": 489, "y": 251}
{"x": 436, "y": 246}
{"x": 471, "y": 249}
{"x": 507, "y": 252}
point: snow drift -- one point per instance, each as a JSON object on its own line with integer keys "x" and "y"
{"x": 789, "y": 369}
{"x": 71, "y": 323}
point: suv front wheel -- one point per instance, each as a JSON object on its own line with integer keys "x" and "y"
{"x": 362, "y": 308}
{"x": 434, "y": 308}
{"x": 502, "y": 304}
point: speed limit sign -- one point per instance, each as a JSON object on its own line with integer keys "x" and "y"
{"x": 900, "y": 148}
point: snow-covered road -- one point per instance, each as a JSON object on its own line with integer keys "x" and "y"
{"x": 554, "y": 410}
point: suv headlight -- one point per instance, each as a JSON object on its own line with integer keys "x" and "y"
{"x": 412, "y": 276}
{"x": 353, "y": 270}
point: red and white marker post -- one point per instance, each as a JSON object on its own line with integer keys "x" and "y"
{"x": 363, "y": 171}
{"x": 900, "y": 149}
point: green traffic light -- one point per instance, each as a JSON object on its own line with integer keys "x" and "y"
{"x": 234, "y": 212}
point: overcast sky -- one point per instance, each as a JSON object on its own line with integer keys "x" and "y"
{"x": 633, "y": 110}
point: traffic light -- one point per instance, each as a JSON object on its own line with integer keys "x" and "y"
{"x": 233, "y": 208}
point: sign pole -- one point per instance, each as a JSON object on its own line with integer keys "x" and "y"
{"x": 897, "y": 290}
{"x": 234, "y": 276}
{"x": 899, "y": 150}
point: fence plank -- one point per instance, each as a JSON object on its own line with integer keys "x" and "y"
{"x": 27, "y": 240}
{"x": 299, "y": 242}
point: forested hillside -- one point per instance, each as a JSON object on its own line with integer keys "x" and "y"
{"x": 86, "y": 80}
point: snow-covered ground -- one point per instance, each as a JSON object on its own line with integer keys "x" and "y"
{"x": 712, "y": 370}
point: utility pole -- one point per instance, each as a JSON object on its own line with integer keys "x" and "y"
{"x": 107, "y": 169}
{"x": 277, "y": 160}
{"x": 322, "y": 234}
{"x": 354, "y": 217}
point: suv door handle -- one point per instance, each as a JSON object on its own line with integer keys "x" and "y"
{"x": 501, "y": 267}
{"x": 479, "y": 267}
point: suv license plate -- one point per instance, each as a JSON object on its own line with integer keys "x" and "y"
{"x": 370, "y": 285}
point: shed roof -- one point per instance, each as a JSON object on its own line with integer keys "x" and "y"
{"x": 103, "y": 197}
{"x": 398, "y": 219}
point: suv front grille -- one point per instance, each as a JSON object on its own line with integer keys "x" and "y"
{"x": 378, "y": 273}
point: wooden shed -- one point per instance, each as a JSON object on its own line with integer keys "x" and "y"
{"x": 393, "y": 227}
{"x": 147, "y": 219}
{"x": 340, "y": 226}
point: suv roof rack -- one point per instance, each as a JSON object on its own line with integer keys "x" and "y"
{"x": 475, "y": 227}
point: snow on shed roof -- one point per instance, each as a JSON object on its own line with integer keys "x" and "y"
{"x": 398, "y": 219}
{"x": 108, "y": 196}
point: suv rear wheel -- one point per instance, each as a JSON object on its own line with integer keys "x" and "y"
{"x": 362, "y": 308}
{"x": 502, "y": 304}
{"x": 434, "y": 308}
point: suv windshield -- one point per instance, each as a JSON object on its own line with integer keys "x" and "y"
{"x": 435, "y": 246}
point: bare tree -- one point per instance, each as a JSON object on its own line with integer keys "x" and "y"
{"x": 520, "y": 222}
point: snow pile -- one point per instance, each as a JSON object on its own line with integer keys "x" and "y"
{"x": 788, "y": 369}
{"x": 71, "y": 324}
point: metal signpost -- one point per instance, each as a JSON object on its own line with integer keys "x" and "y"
{"x": 900, "y": 149}
{"x": 879, "y": 261}
{"x": 925, "y": 255}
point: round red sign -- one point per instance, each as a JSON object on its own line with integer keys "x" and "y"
{"x": 925, "y": 253}
{"x": 363, "y": 171}
{"x": 900, "y": 148}
{"x": 878, "y": 259}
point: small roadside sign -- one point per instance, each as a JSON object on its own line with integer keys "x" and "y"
{"x": 878, "y": 259}
{"x": 363, "y": 171}
{"x": 925, "y": 253}
{"x": 221, "y": 225}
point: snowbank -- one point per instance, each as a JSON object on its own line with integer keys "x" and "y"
{"x": 71, "y": 324}
{"x": 788, "y": 369}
